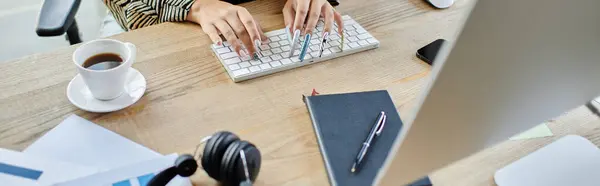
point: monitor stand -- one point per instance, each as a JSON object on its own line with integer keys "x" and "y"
{"x": 570, "y": 160}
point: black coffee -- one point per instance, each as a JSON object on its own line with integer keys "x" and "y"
{"x": 103, "y": 61}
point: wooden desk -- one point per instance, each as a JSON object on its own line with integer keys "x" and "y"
{"x": 190, "y": 96}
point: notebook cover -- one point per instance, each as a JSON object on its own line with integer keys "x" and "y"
{"x": 342, "y": 122}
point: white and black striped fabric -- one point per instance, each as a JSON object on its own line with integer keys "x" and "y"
{"x": 133, "y": 14}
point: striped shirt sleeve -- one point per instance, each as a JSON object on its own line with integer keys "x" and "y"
{"x": 134, "y": 14}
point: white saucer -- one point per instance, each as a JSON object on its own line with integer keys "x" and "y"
{"x": 80, "y": 96}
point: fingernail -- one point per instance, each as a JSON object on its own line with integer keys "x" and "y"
{"x": 322, "y": 45}
{"x": 294, "y": 42}
{"x": 219, "y": 43}
{"x": 255, "y": 56}
{"x": 257, "y": 44}
{"x": 304, "y": 47}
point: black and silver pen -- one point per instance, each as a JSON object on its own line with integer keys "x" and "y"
{"x": 375, "y": 131}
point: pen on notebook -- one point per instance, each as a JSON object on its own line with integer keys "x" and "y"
{"x": 375, "y": 132}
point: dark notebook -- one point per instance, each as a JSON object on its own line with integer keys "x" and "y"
{"x": 342, "y": 122}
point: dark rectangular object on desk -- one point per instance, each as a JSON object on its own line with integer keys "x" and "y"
{"x": 342, "y": 122}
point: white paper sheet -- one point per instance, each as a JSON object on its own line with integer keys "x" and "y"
{"x": 131, "y": 175}
{"x": 79, "y": 141}
{"x": 17, "y": 168}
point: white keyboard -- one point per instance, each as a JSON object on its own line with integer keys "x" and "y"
{"x": 274, "y": 55}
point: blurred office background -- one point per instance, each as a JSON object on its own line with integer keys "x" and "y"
{"x": 18, "y": 20}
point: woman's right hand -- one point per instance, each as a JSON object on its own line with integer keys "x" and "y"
{"x": 234, "y": 22}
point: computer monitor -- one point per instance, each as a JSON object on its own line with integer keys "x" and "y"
{"x": 515, "y": 65}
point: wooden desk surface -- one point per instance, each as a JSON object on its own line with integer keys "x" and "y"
{"x": 190, "y": 96}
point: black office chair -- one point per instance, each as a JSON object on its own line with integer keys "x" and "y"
{"x": 57, "y": 17}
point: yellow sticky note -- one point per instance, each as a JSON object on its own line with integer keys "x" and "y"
{"x": 535, "y": 132}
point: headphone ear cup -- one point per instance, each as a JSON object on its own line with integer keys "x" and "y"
{"x": 229, "y": 156}
{"x": 208, "y": 148}
{"x": 253, "y": 159}
{"x": 214, "y": 151}
{"x": 232, "y": 168}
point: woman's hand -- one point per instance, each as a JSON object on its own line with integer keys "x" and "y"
{"x": 298, "y": 12}
{"x": 234, "y": 22}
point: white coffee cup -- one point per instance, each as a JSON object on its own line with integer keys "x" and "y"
{"x": 105, "y": 84}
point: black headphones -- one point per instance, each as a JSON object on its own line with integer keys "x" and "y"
{"x": 220, "y": 159}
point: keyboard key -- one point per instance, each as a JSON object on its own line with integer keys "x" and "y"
{"x": 265, "y": 47}
{"x": 352, "y": 33}
{"x": 346, "y": 46}
{"x": 335, "y": 49}
{"x": 352, "y": 39}
{"x": 334, "y": 43}
{"x": 265, "y": 59}
{"x": 364, "y": 36}
{"x": 273, "y": 45}
{"x": 275, "y": 32}
{"x": 285, "y": 48}
{"x": 354, "y": 45}
{"x": 295, "y": 59}
{"x": 356, "y": 26}
{"x": 254, "y": 68}
{"x": 283, "y": 37}
{"x": 284, "y": 42}
{"x": 320, "y": 29}
{"x": 296, "y": 52}
{"x": 307, "y": 57}
{"x": 286, "y": 61}
{"x": 234, "y": 67}
{"x": 223, "y": 50}
{"x": 226, "y": 44}
{"x": 326, "y": 52}
{"x": 240, "y": 72}
{"x": 372, "y": 40}
{"x": 276, "y": 50}
{"x": 266, "y": 53}
{"x": 254, "y": 62}
{"x": 314, "y": 47}
{"x": 246, "y": 58}
{"x": 275, "y": 63}
{"x": 334, "y": 37}
{"x": 363, "y": 42}
{"x": 228, "y": 55}
{"x": 361, "y": 31}
{"x": 244, "y": 64}
{"x": 348, "y": 28}
{"x": 265, "y": 66}
{"x": 314, "y": 41}
{"x": 276, "y": 57}
{"x": 274, "y": 38}
{"x": 349, "y": 23}
{"x": 315, "y": 54}
{"x": 326, "y": 45}
{"x": 232, "y": 61}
